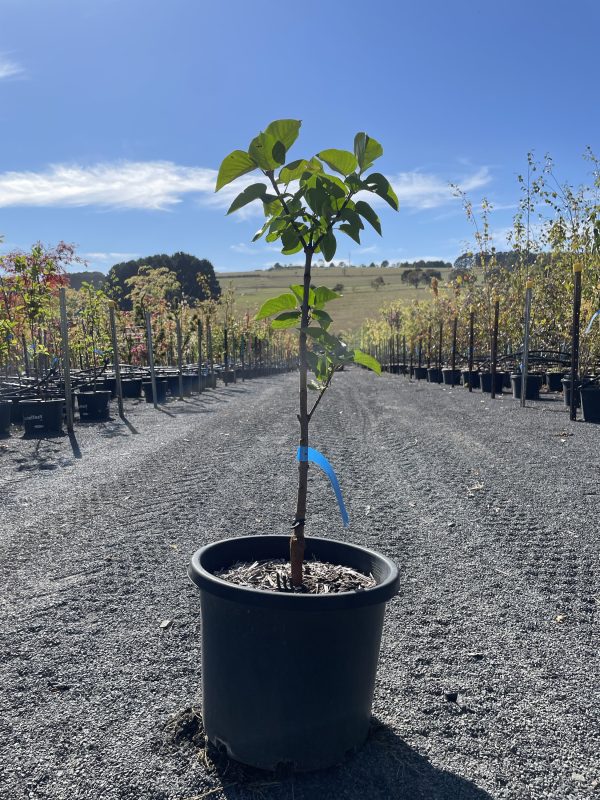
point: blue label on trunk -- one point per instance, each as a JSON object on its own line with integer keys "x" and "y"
{"x": 309, "y": 454}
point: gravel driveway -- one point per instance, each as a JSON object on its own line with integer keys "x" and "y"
{"x": 489, "y": 683}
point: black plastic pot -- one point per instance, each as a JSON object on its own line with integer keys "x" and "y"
{"x": 566, "y": 384}
{"x": 131, "y": 387}
{"x": 533, "y": 386}
{"x": 590, "y": 403}
{"x": 447, "y": 376}
{"x": 474, "y": 378}
{"x": 288, "y": 679}
{"x": 42, "y": 416}
{"x": 434, "y": 375}
{"x": 5, "y": 413}
{"x": 554, "y": 381}
{"x": 420, "y": 373}
{"x": 485, "y": 382}
{"x": 93, "y": 406}
{"x": 161, "y": 391}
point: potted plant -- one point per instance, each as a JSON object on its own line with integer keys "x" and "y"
{"x": 288, "y": 674}
{"x": 93, "y": 397}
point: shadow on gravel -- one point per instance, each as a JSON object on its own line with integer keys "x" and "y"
{"x": 386, "y": 768}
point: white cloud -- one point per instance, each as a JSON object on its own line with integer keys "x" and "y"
{"x": 421, "y": 190}
{"x": 160, "y": 185}
{"x": 152, "y": 185}
{"x": 9, "y": 69}
{"x": 114, "y": 257}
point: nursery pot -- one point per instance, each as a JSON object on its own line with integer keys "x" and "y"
{"x": 434, "y": 375}
{"x": 485, "y": 381}
{"x": 161, "y": 391}
{"x": 287, "y": 678}
{"x": 420, "y": 373}
{"x": 93, "y": 405}
{"x": 131, "y": 387}
{"x": 5, "y": 409}
{"x": 533, "y": 386}
{"x": 474, "y": 378}
{"x": 554, "y": 381}
{"x": 42, "y": 416}
{"x": 566, "y": 383}
{"x": 447, "y": 376}
{"x": 590, "y": 403}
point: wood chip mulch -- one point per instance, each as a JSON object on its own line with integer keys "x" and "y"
{"x": 273, "y": 575}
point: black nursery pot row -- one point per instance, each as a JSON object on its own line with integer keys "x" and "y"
{"x": 587, "y": 391}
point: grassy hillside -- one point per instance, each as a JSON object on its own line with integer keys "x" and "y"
{"x": 359, "y": 299}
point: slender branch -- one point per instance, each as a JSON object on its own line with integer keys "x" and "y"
{"x": 323, "y": 390}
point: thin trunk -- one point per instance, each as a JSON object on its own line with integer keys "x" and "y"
{"x": 297, "y": 537}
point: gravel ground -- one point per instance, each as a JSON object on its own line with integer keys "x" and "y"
{"x": 489, "y": 679}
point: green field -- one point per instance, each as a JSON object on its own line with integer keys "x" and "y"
{"x": 359, "y": 299}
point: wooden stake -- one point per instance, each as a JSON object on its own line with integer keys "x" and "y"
{"x": 64, "y": 330}
{"x": 116, "y": 364}
{"x": 494, "y": 353}
{"x": 525, "y": 367}
{"x": 575, "y": 339}
{"x": 151, "y": 357}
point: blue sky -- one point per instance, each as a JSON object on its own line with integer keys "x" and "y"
{"x": 115, "y": 114}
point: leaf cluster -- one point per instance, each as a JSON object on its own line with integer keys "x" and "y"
{"x": 306, "y": 201}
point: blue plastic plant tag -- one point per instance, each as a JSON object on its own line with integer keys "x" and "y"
{"x": 309, "y": 454}
{"x": 595, "y": 316}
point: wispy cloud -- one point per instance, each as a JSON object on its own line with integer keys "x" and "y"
{"x": 421, "y": 190}
{"x": 10, "y": 69}
{"x": 112, "y": 257}
{"x": 161, "y": 185}
{"x": 152, "y": 185}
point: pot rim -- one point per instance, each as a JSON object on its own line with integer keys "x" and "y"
{"x": 206, "y": 557}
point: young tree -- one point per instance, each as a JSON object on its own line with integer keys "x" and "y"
{"x": 305, "y": 206}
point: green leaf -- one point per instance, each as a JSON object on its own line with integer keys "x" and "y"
{"x": 267, "y": 151}
{"x": 351, "y": 231}
{"x": 365, "y": 210}
{"x": 380, "y": 185}
{"x": 289, "y": 251}
{"x": 366, "y": 150}
{"x": 235, "y": 164}
{"x": 261, "y": 231}
{"x": 352, "y": 218}
{"x": 324, "y": 295}
{"x": 249, "y": 194}
{"x": 272, "y": 208}
{"x": 341, "y": 161}
{"x": 298, "y": 290}
{"x": 328, "y": 246}
{"x": 293, "y": 171}
{"x": 284, "y": 131}
{"x": 275, "y": 305}
{"x": 312, "y": 360}
{"x": 367, "y": 361}
{"x": 322, "y": 318}
{"x": 286, "y": 320}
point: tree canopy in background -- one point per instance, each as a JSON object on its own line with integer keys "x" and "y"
{"x": 186, "y": 267}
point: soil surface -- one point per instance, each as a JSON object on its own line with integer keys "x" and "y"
{"x": 275, "y": 575}
{"x": 489, "y": 678}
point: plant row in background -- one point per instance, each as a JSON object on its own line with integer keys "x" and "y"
{"x": 555, "y": 234}
{"x": 30, "y": 335}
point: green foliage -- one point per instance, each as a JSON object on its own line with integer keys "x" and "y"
{"x": 187, "y": 268}
{"x": 307, "y": 217}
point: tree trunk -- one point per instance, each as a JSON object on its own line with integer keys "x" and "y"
{"x": 297, "y": 538}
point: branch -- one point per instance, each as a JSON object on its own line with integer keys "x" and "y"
{"x": 323, "y": 390}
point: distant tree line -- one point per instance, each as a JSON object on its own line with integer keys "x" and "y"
{"x": 385, "y": 264}
{"x": 195, "y": 275}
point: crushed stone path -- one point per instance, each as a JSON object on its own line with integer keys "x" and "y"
{"x": 489, "y": 680}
